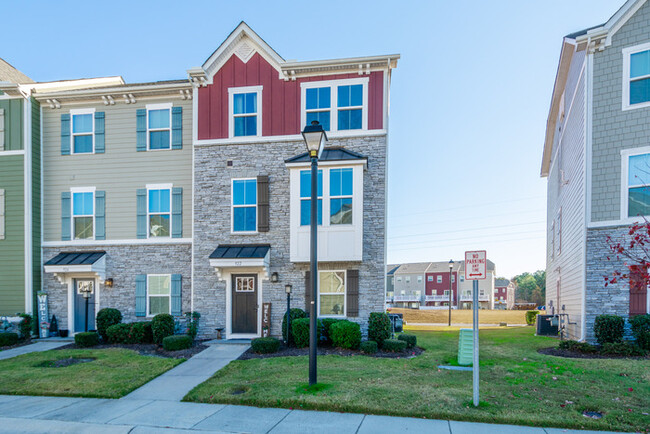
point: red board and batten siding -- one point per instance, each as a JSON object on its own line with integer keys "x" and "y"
{"x": 280, "y": 98}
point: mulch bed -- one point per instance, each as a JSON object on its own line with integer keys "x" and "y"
{"x": 325, "y": 351}
{"x": 554, "y": 351}
{"x": 19, "y": 344}
{"x": 146, "y": 349}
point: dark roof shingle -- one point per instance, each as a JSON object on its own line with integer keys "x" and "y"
{"x": 76, "y": 258}
{"x": 232, "y": 251}
{"x": 329, "y": 154}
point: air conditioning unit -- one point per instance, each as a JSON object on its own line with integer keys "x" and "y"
{"x": 547, "y": 325}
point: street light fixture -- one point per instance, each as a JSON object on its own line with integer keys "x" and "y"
{"x": 287, "y": 289}
{"x": 314, "y": 137}
{"x": 451, "y": 267}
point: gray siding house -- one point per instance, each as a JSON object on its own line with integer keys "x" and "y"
{"x": 595, "y": 151}
{"x": 409, "y": 287}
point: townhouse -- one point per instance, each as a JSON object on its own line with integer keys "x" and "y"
{"x": 409, "y": 285}
{"x": 441, "y": 280}
{"x": 190, "y": 195}
{"x": 595, "y": 161}
{"x": 485, "y": 288}
{"x": 501, "y": 287}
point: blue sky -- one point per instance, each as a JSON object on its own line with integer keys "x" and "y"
{"x": 469, "y": 98}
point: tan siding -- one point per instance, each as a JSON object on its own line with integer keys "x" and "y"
{"x": 120, "y": 171}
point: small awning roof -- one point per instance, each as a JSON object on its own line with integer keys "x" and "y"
{"x": 238, "y": 256}
{"x": 329, "y": 154}
{"x": 76, "y": 258}
{"x": 67, "y": 265}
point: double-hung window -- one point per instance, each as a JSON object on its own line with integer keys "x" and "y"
{"x": 245, "y": 110}
{"x": 159, "y": 120}
{"x": 341, "y": 196}
{"x": 83, "y": 131}
{"x": 159, "y": 211}
{"x": 636, "y": 182}
{"x": 305, "y": 197}
{"x": 438, "y": 279}
{"x": 636, "y": 76}
{"x": 429, "y": 278}
{"x": 244, "y": 205}
{"x": 158, "y": 294}
{"x": 331, "y": 292}
{"x": 338, "y": 105}
{"x": 83, "y": 214}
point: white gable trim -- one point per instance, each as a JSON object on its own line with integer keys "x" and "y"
{"x": 621, "y": 17}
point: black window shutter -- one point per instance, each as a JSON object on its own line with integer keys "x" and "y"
{"x": 263, "y": 203}
{"x": 308, "y": 291}
{"x": 353, "y": 293}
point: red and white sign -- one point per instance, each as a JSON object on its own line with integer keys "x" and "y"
{"x": 476, "y": 265}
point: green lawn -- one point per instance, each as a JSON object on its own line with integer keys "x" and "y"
{"x": 113, "y": 374}
{"x": 518, "y": 385}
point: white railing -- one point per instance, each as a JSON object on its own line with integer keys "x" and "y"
{"x": 389, "y": 299}
{"x": 437, "y": 298}
{"x": 468, "y": 297}
{"x": 405, "y": 298}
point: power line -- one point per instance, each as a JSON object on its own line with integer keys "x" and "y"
{"x": 436, "y": 222}
{"x": 457, "y": 244}
{"x": 468, "y": 230}
{"x": 468, "y": 206}
{"x": 466, "y": 238}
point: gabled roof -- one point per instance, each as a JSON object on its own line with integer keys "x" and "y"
{"x": 501, "y": 282}
{"x": 442, "y": 267}
{"x": 76, "y": 258}
{"x": 11, "y": 74}
{"x": 392, "y": 269}
{"x": 413, "y": 268}
{"x": 334, "y": 153}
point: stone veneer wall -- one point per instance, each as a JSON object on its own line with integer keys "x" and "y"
{"x": 213, "y": 222}
{"x": 123, "y": 263}
{"x": 600, "y": 299}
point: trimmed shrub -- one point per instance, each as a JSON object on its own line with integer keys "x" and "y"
{"x": 265, "y": 345}
{"x": 119, "y": 334}
{"x": 394, "y": 345}
{"x": 326, "y": 338}
{"x": 622, "y": 349}
{"x": 177, "y": 342}
{"x": 162, "y": 326}
{"x": 411, "y": 340}
{"x": 580, "y": 347}
{"x": 609, "y": 329}
{"x": 294, "y": 314}
{"x": 8, "y": 338}
{"x": 641, "y": 330}
{"x": 141, "y": 333}
{"x": 531, "y": 315}
{"x": 192, "y": 319}
{"x": 86, "y": 339}
{"x": 346, "y": 334}
{"x": 379, "y": 327}
{"x": 105, "y": 318}
{"x": 300, "y": 331}
{"x": 369, "y": 347}
{"x": 25, "y": 326}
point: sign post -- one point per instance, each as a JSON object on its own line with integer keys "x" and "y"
{"x": 475, "y": 270}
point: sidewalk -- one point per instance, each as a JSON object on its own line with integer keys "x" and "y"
{"x": 32, "y": 414}
{"x": 31, "y": 348}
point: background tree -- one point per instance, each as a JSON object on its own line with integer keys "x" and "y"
{"x": 531, "y": 288}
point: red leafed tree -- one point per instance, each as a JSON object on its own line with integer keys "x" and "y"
{"x": 634, "y": 251}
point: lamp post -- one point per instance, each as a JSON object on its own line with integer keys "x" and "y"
{"x": 314, "y": 137}
{"x": 451, "y": 267}
{"x": 287, "y": 289}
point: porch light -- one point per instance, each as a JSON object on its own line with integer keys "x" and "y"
{"x": 287, "y": 288}
{"x": 274, "y": 277}
{"x": 315, "y": 138}
{"x": 108, "y": 283}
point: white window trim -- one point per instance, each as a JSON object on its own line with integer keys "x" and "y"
{"x": 162, "y": 106}
{"x": 333, "y": 84}
{"x": 149, "y": 315}
{"x": 74, "y": 190}
{"x": 357, "y": 195}
{"x": 627, "y": 54}
{"x": 625, "y": 164}
{"x": 2, "y": 214}
{"x": 429, "y": 278}
{"x": 231, "y": 115}
{"x": 407, "y": 279}
{"x": 86, "y": 111}
{"x": 160, "y": 187}
{"x": 345, "y": 293}
{"x": 232, "y": 207}
{"x": 419, "y": 279}
{"x": 439, "y": 279}
{"x": 2, "y": 129}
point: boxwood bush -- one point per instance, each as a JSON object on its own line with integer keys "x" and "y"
{"x": 369, "y": 347}
{"x": 641, "y": 330}
{"x": 162, "y": 326}
{"x": 624, "y": 349}
{"x": 580, "y": 347}
{"x": 394, "y": 345}
{"x": 531, "y": 315}
{"x": 119, "y": 334}
{"x": 609, "y": 329}
{"x": 105, "y": 318}
{"x": 300, "y": 331}
{"x": 326, "y": 338}
{"x": 141, "y": 333}
{"x": 8, "y": 338}
{"x": 379, "y": 327}
{"x": 86, "y": 339}
{"x": 177, "y": 342}
{"x": 411, "y": 340}
{"x": 346, "y": 334}
{"x": 295, "y": 314}
{"x": 265, "y": 345}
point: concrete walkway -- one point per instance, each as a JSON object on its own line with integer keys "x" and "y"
{"x": 32, "y": 414}
{"x": 31, "y": 348}
{"x": 174, "y": 384}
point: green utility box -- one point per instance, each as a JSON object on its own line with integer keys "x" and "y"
{"x": 465, "y": 347}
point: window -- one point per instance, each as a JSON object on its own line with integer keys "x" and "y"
{"x": 419, "y": 279}
{"x": 159, "y": 211}
{"x": 453, "y": 278}
{"x": 408, "y": 279}
{"x": 245, "y": 111}
{"x": 331, "y": 293}
{"x": 399, "y": 279}
{"x": 429, "y": 278}
{"x": 636, "y": 76}
{"x": 462, "y": 278}
{"x": 439, "y": 279}
{"x": 83, "y": 131}
{"x": 341, "y": 196}
{"x": 338, "y": 105}
{"x": 159, "y": 121}
{"x": 2, "y": 129}
{"x": 244, "y": 205}
{"x": 158, "y": 294}
{"x": 83, "y": 214}
{"x": 638, "y": 184}
{"x": 447, "y": 292}
{"x": 305, "y": 192}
